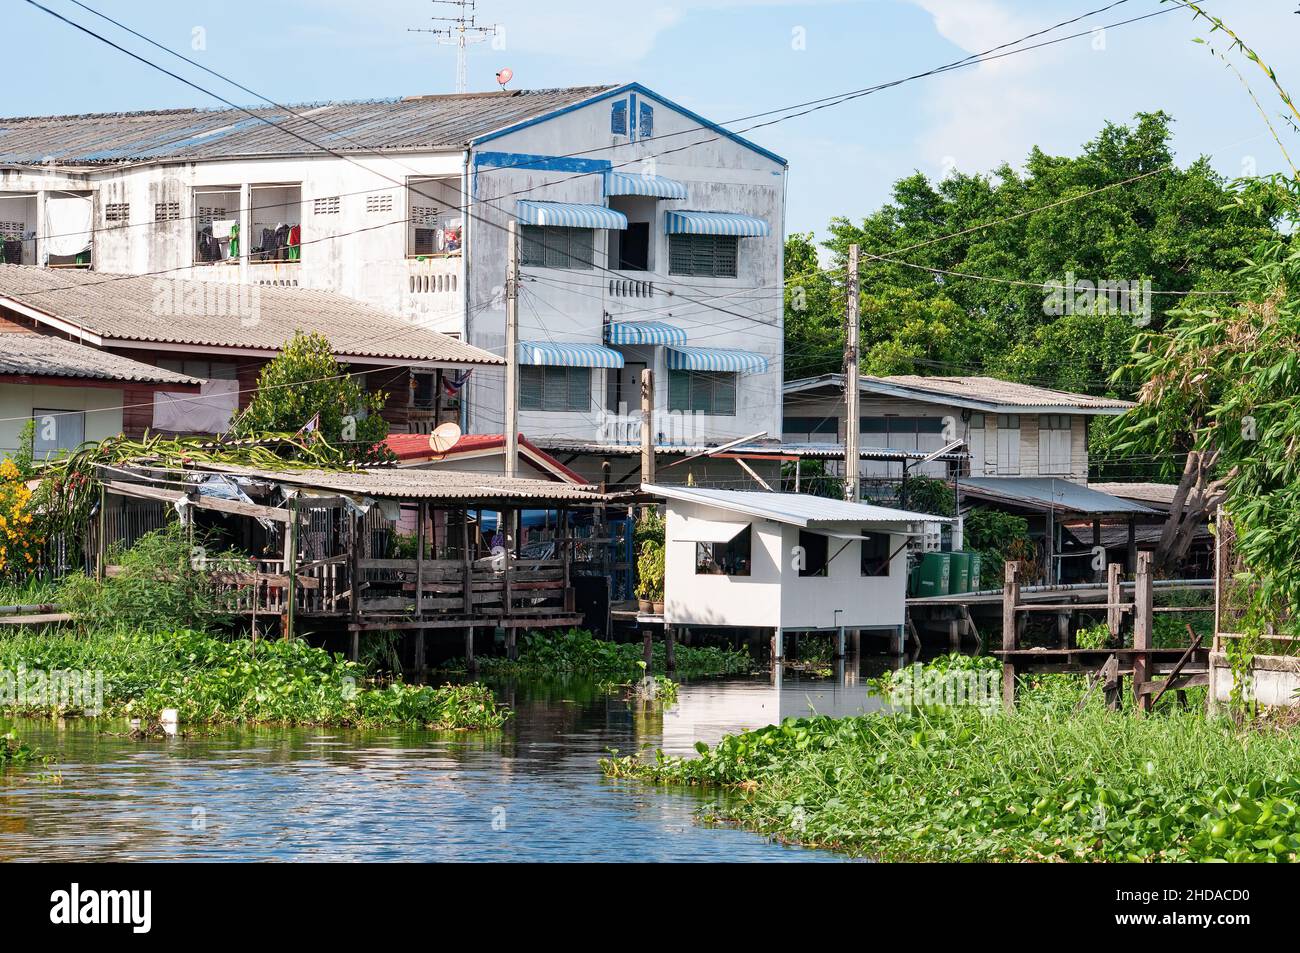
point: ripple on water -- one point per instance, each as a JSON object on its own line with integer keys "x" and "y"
{"x": 529, "y": 792}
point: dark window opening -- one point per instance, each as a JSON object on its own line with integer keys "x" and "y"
{"x": 732, "y": 558}
{"x": 875, "y": 554}
{"x": 631, "y": 247}
{"x": 816, "y": 553}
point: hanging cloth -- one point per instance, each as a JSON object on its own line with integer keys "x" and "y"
{"x": 68, "y": 223}
{"x": 295, "y": 241}
{"x": 234, "y": 240}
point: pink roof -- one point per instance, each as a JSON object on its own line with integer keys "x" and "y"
{"x": 408, "y": 447}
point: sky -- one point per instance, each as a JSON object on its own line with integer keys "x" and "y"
{"x": 724, "y": 59}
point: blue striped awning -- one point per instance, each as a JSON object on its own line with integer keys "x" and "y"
{"x": 645, "y": 332}
{"x": 716, "y": 223}
{"x": 641, "y": 183}
{"x": 556, "y": 354}
{"x": 568, "y": 215}
{"x": 715, "y": 359}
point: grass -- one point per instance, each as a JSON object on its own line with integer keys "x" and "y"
{"x": 213, "y": 680}
{"x": 578, "y": 652}
{"x": 1042, "y": 783}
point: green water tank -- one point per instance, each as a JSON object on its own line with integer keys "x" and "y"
{"x": 959, "y": 575}
{"x": 976, "y": 566}
{"x": 930, "y": 577}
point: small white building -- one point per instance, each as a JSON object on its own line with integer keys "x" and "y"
{"x": 784, "y": 561}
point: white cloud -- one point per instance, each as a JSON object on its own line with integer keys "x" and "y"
{"x": 984, "y": 114}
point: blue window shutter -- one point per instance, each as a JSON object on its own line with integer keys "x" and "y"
{"x": 618, "y": 118}
{"x": 647, "y": 120}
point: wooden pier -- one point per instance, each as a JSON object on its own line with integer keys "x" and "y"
{"x": 381, "y": 550}
{"x": 1143, "y": 663}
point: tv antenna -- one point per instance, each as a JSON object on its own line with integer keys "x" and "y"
{"x": 461, "y": 30}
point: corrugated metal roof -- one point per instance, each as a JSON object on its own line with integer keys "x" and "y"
{"x": 38, "y": 355}
{"x": 977, "y": 393}
{"x": 1042, "y": 493}
{"x": 759, "y": 448}
{"x": 1159, "y": 494}
{"x": 412, "y": 484}
{"x": 120, "y": 308}
{"x": 419, "y": 122}
{"x": 798, "y": 509}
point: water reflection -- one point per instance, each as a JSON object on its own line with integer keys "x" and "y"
{"x": 529, "y": 792}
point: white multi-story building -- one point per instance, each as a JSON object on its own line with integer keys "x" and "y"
{"x": 651, "y": 237}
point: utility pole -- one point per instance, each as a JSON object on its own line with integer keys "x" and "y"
{"x": 851, "y": 393}
{"x": 461, "y": 30}
{"x": 647, "y": 426}
{"x": 512, "y": 350}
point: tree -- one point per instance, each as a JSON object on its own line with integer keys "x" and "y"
{"x": 1222, "y": 384}
{"x": 1181, "y": 229}
{"x": 305, "y": 382}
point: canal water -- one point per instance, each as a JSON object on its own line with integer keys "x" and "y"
{"x": 531, "y": 792}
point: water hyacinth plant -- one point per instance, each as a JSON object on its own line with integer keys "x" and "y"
{"x": 1045, "y": 782}
{"x": 213, "y": 680}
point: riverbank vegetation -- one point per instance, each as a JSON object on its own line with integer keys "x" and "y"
{"x": 579, "y": 652}
{"x": 146, "y": 639}
{"x": 1045, "y": 782}
{"x": 213, "y": 680}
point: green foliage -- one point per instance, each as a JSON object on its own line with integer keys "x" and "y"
{"x": 1224, "y": 376}
{"x": 578, "y": 652}
{"x": 305, "y": 381}
{"x": 1183, "y": 229}
{"x": 1042, "y": 783}
{"x": 213, "y": 681}
{"x": 651, "y": 552}
{"x": 997, "y": 537}
{"x": 929, "y": 495}
{"x": 158, "y": 588}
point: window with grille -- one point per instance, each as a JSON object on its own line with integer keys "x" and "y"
{"x": 209, "y": 214}
{"x": 565, "y": 389}
{"x": 328, "y": 205}
{"x": 544, "y": 246}
{"x": 618, "y": 117}
{"x": 117, "y": 213}
{"x": 379, "y": 203}
{"x": 13, "y": 229}
{"x": 166, "y": 211}
{"x": 704, "y": 392}
{"x": 703, "y": 256}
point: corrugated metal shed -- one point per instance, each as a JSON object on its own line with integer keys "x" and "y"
{"x": 978, "y": 393}
{"x": 396, "y": 125}
{"x": 38, "y": 355}
{"x": 125, "y": 308}
{"x": 776, "y": 450}
{"x": 412, "y": 484}
{"x": 1043, "y": 493}
{"x": 797, "y": 509}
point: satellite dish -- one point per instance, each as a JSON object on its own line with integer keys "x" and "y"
{"x": 505, "y": 75}
{"x": 444, "y": 437}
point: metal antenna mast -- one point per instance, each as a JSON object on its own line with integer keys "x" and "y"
{"x": 460, "y": 30}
